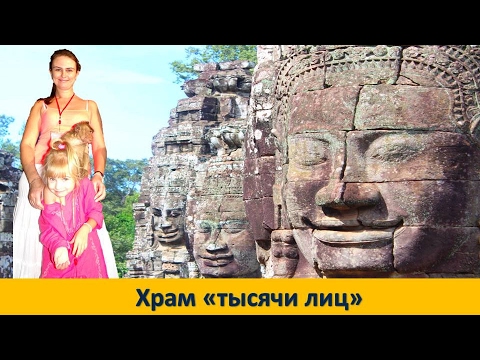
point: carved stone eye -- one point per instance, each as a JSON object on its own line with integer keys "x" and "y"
{"x": 308, "y": 151}
{"x": 395, "y": 148}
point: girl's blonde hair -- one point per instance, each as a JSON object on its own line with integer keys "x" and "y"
{"x": 62, "y": 159}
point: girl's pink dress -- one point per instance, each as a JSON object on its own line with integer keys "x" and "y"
{"x": 58, "y": 225}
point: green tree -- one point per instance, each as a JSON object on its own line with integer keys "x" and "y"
{"x": 12, "y": 148}
{"x": 5, "y": 122}
{"x": 7, "y": 144}
{"x": 122, "y": 180}
{"x": 121, "y": 228}
{"x": 210, "y": 53}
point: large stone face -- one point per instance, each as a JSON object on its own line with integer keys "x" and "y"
{"x": 376, "y": 167}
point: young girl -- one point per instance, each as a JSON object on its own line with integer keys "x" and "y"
{"x": 70, "y": 218}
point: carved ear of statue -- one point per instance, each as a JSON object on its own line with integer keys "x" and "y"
{"x": 475, "y": 127}
{"x": 277, "y": 143}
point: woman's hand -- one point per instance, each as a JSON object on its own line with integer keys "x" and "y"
{"x": 35, "y": 193}
{"x": 99, "y": 187}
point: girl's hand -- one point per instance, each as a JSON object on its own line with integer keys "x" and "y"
{"x": 61, "y": 258}
{"x": 80, "y": 240}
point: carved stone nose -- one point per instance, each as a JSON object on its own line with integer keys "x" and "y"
{"x": 165, "y": 224}
{"x": 343, "y": 196}
{"x": 215, "y": 246}
{"x": 331, "y": 196}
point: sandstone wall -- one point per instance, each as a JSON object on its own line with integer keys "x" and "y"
{"x": 207, "y": 126}
{"x": 9, "y": 177}
{"x": 345, "y": 172}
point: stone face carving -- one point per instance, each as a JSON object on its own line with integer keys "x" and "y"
{"x": 219, "y": 233}
{"x": 201, "y": 147}
{"x": 368, "y": 157}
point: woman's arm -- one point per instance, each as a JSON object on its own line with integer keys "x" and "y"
{"x": 27, "y": 155}
{"x": 99, "y": 151}
{"x": 93, "y": 209}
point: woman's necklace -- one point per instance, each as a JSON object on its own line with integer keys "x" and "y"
{"x": 60, "y": 112}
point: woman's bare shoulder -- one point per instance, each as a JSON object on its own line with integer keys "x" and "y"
{"x": 92, "y": 104}
{"x": 85, "y": 99}
{"x": 38, "y": 104}
{"x": 36, "y": 109}
{"x": 90, "y": 101}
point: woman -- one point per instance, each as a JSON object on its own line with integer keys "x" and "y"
{"x": 49, "y": 116}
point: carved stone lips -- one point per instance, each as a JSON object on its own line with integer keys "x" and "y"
{"x": 354, "y": 237}
{"x": 169, "y": 234}
{"x": 333, "y": 223}
{"x": 169, "y": 237}
{"x": 216, "y": 260}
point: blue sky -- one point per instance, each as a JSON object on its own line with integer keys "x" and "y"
{"x": 132, "y": 85}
